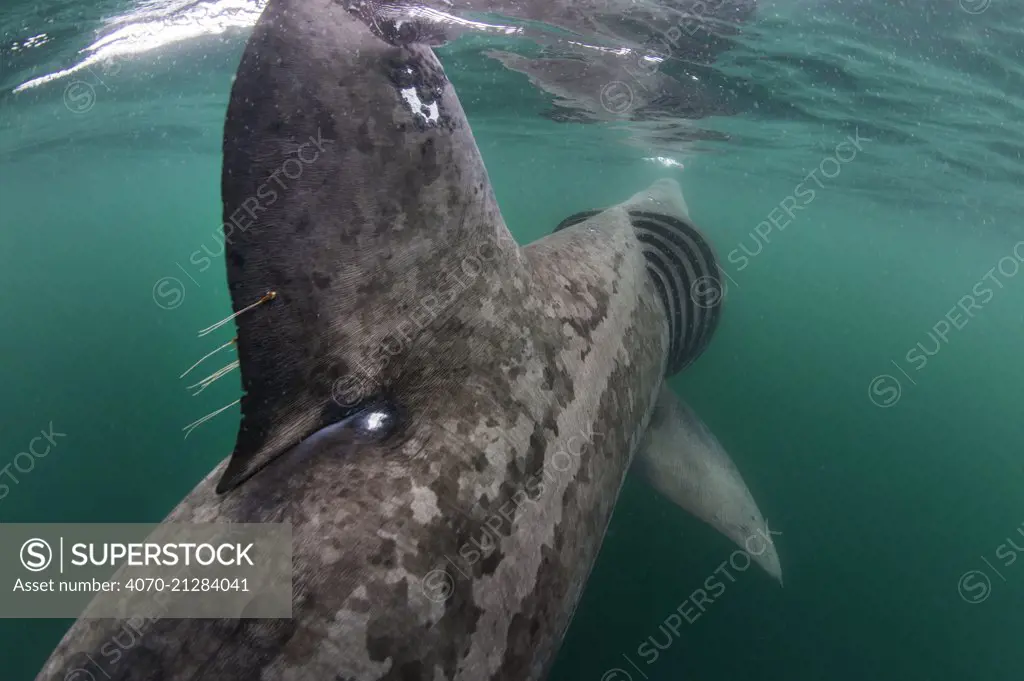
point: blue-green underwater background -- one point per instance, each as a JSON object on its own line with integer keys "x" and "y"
{"x": 874, "y": 411}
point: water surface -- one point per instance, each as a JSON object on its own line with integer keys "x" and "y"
{"x": 873, "y": 410}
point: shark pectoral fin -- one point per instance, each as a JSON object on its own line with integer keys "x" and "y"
{"x": 680, "y": 458}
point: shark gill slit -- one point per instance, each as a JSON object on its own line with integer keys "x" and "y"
{"x": 668, "y": 288}
{"x": 678, "y": 256}
{"x": 685, "y": 249}
{"x": 575, "y": 219}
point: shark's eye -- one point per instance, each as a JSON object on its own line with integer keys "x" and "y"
{"x": 374, "y": 423}
{"x": 369, "y": 425}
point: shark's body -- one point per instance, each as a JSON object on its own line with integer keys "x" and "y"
{"x": 498, "y": 393}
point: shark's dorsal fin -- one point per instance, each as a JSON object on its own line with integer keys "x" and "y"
{"x": 352, "y": 189}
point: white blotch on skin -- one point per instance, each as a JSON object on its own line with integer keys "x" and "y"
{"x": 433, "y": 113}
{"x": 424, "y": 504}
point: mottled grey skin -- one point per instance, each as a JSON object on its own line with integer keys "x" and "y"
{"x": 557, "y": 347}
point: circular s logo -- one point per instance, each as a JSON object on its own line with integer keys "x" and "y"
{"x": 168, "y": 293}
{"x": 884, "y": 391}
{"x": 974, "y": 586}
{"x": 438, "y": 586}
{"x": 617, "y": 98}
{"x": 707, "y": 292}
{"x": 79, "y": 674}
{"x": 79, "y": 97}
{"x": 975, "y": 6}
{"x": 36, "y": 555}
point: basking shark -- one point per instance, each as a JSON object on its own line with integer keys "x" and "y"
{"x": 415, "y": 381}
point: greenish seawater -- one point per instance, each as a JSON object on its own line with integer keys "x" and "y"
{"x": 866, "y": 376}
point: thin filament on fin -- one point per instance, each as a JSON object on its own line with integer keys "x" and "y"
{"x": 195, "y": 424}
{"x": 209, "y": 355}
{"x": 206, "y": 382}
{"x": 270, "y": 295}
